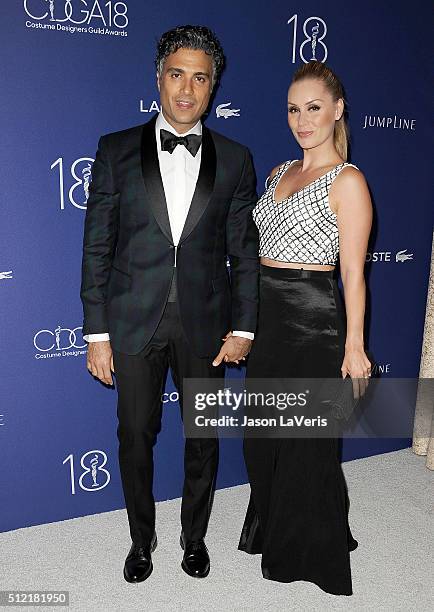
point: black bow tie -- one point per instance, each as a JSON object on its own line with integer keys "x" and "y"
{"x": 169, "y": 141}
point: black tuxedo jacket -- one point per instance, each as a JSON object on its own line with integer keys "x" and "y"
{"x": 128, "y": 251}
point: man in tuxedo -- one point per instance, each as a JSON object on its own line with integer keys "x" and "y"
{"x": 169, "y": 201}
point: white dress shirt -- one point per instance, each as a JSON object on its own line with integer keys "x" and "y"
{"x": 179, "y": 173}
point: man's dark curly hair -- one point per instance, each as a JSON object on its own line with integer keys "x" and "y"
{"x": 191, "y": 37}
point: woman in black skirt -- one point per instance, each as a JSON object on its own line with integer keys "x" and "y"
{"x": 313, "y": 210}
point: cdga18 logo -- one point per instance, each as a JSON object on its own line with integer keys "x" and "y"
{"x": 61, "y": 339}
{"x": 79, "y": 12}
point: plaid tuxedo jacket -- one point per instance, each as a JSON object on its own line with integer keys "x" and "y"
{"x": 128, "y": 251}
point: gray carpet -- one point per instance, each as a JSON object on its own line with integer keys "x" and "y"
{"x": 392, "y": 517}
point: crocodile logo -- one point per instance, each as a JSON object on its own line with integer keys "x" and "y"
{"x": 4, "y": 275}
{"x": 403, "y": 256}
{"x": 222, "y": 110}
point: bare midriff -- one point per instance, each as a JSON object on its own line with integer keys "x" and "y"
{"x": 265, "y": 261}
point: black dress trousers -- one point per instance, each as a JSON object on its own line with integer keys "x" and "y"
{"x": 140, "y": 381}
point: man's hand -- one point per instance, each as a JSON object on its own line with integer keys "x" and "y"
{"x": 100, "y": 361}
{"x": 234, "y": 349}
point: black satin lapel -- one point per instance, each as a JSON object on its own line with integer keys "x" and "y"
{"x": 204, "y": 185}
{"x": 152, "y": 178}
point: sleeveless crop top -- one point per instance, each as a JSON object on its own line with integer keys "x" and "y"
{"x": 301, "y": 228}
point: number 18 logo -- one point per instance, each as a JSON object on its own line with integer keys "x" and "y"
{"x": 78, "y": 192}
{"x": 313, "y": 47}
{"x": 94, "y": 476}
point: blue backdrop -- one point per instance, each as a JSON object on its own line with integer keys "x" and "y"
{"x": 75, "y": 69}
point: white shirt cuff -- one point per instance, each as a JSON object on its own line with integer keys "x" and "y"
{"x": 102, "y": 337}
{"x": 96, "y": 337}
{"x": 243, "y": 334}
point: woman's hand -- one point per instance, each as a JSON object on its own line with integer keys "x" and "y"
{"x": 358, "y": 367}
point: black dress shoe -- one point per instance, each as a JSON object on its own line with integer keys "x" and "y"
{"x": 138, "y": 564}
{"x": 195, "y": 561}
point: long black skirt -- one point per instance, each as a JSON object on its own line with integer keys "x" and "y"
{"x": 297, "y": 516}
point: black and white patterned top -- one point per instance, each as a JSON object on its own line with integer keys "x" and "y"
{"x": 301, "y": 228}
